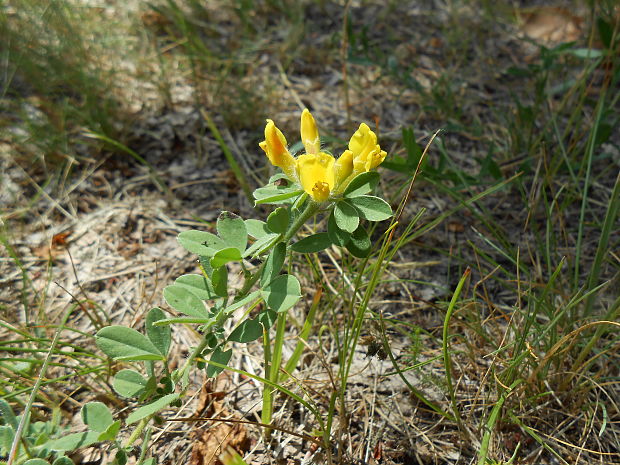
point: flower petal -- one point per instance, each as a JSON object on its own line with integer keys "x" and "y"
{"x": 343, "y": 167}
{"x": 363, "y": 141}
{"x": 309, "y": 133}
{"x": 274, "y": 146}
{"x": 316, "y": 174}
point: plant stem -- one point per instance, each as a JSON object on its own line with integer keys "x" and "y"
{"x": 446, "y": 353}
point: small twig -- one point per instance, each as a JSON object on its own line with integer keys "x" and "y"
{"x": 253, "y": 423}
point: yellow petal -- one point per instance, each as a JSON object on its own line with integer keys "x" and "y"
{"x": 316, "y": 175}
{"x": 274, "y": 146}
{"x": 309, "y": 133}
{"x": 377, "y": 157}
{"x": 363, "y": 141}
{"x": 343, "y": 167}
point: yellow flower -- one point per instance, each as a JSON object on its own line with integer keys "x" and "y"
{"x": 316, "y": 175}
{"x": 274, "y": 146}
{"x": 367, "y": 154}
{"x": 320, "y": 174}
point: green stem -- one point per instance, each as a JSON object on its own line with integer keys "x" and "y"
{"x": 267, "y": 391}
{"x": 310, "y": 210}
{"x": 446, "y": 352}
{"x": 138, "y": 431}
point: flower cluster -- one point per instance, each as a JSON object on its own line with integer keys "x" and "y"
{"x": 320, "y": 174}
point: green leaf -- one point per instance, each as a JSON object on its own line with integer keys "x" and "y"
{"x": 198, "y": 285}
{"x": 372, "y": 208}
{"x": 183, "y": 300}
{"x": 313, "y": 243}
{"x": 97, "y": 416}
{"x": 261, "y": 245}
{"x": 7, "y": 434}
{"x": 129, "y": 383}
{"x": 346, "y": 216}
{"x": 218, "y": 356}
{"x": 122, "y": 343}
{"x": 219, "y": 279}
{"x": 150, "y": 461}
{"x": 231, "y": 229}
{"x": 282, "y": 293}
{"x": 337, "y": 235}
{"x": 252, "y": 297}
{"x": 273, "y": 264}
{"x": 120, "y": 458}
{"x": 111, "y": 432}
{"x": 160, "y": 336}
{"x": 7, "y": 414}
{"x": 360, "y": 244}
{"x": 151, "y": 408}
{"x": 247, "y": 331}
{"x": 267, "y": 318}
{"x": 200, "y": 242}
{"x": 256, "y": 228}
{"x": 64, "y": 460}
{"x": 36, "y": 462}
{"x": 185, "y": 320}
{"x": 278, "y": 220}
{"x": 362, "y": 184}
{"x": 275, "y": 195}
{"x": 73, "y": 441}
{"x": 229, "y": 254}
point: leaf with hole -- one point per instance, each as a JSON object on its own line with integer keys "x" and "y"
{"x": 122, "y": 343}
{"x": 200, "y": 242}
{"x": 231, "y": 229}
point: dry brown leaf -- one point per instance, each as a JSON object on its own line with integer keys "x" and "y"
{"x": 551, "y": 25}
{"x": 219, "y": 436}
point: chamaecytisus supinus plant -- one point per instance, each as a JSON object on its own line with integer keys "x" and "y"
{"x": 312, "y": 183}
